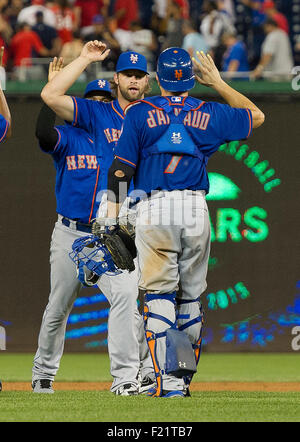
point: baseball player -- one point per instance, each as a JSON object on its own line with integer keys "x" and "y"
{"x": 103, "y": 122}
{"x": 5, "y": 117}
{"x": 78, "y": 164}
{"x": 165, "y": 145}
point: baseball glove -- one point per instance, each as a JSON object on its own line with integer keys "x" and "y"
{"x": 122, "y": 248}
{"x": 119, "y": 242}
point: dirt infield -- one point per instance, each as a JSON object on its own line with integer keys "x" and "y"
{"x": 198, "y": 386}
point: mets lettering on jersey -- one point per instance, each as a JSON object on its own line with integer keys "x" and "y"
{"x": 77, "y": 174}
{"x": 180, "y": 134}
{"x": 81, "y": 162}
{"x": 104, "y": 122}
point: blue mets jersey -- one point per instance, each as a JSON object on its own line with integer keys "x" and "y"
{"x": 77, "y": 174}
{"x": 169, "y": 140}
{"x": 104, "y": 122}
{"x": 3, "y": 128}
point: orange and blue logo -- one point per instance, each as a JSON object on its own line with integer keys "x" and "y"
{"x": 178, "y": 74}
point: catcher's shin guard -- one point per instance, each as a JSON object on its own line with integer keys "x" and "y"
{"x": 173, "y": 355}
{"x": 190, "y": 320}
{"x": 159, "y": 329}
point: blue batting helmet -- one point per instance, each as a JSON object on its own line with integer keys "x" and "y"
{"x": 97, "y": 86}
{"x": 92, "y": 259}
{"x": 175, "y": 70}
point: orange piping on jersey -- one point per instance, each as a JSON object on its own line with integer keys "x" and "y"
{"x": 151, "y": 104}
{"x": 6, "y": 127}
{"x": 200, "y": 105}
{"x": 161, "y": 108}
{"x": 250, "y": 128}
{"x": 173, "y": 170}
{"x": 126, "y": 161}
{"x": 131, "y": 104}
{"x": 93, "y": 201}
{"x": 112, "y": 104}
{"x": 59, "y": 138}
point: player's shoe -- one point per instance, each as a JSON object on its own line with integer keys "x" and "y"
{"x": 127, "y": 390}
{"x": 170, "y": 393}
{"x": 0, "y": 386}
{"x": 42, "y": 386}
{"x": 146, "y": 384}
{"x": 187, "y": 392}
{"x": 173, "y": 393}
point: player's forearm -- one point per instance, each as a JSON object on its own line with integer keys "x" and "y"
{"x": 4, "y": 110}
{"x": 238, "y": 100}
{"x": 54, "y": 93}
{"x": 66, "y": 77}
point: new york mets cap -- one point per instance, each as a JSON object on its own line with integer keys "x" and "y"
{"x": 97, "y": 86}
{"x": 131, "y": 60}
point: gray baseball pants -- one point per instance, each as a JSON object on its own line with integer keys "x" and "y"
{"x": 173, "y": 243}
{"x": 127, "y": 347}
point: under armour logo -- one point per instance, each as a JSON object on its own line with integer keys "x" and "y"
{"x": 178, "y": 74}
{"x": 176, "y": 138}
{"x": 182, "y": 364}
{"x": 101, "y": 83}
{"x": 134, "y": 58}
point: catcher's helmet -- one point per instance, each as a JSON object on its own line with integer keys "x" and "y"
{"x": 175, "y": 70}
{"x": 92, "y": 259}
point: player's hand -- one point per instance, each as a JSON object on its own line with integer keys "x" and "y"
{"x": 54, "y": 67}
{"x": 95, "y": 51}
{"x": 209, "y": 74}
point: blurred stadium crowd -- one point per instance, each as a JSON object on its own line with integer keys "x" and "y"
{"x": 249, "y": 39}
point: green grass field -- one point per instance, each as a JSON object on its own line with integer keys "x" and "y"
{"x": 203, "y": 406}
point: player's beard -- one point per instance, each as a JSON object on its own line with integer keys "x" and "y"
{"x": 131, "y": 96}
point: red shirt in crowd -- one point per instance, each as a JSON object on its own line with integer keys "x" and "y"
{"x": 89, "y": 8}
{"x": 23, "y": 45}
{"x": 131, "y": 12}
{"x": 282, "y": 21}
{"x": 65, "y": 21}
{"x": 184, "y": 7}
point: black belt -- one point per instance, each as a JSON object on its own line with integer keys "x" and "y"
{"x": 79, "y": 226}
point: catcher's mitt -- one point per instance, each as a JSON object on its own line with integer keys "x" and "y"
{"x": 119, "y": 241}
{"x": 122, "y": 248}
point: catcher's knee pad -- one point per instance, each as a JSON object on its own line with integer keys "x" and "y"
{"x": 177, "y": 359}
{"x": 190, "y": 320}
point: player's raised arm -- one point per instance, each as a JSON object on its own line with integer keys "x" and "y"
{"x": 54, "y": 93}
{"x": 45, "y": 130}
{"x": 4, "y": 109}
{"x": 210, "y": 77}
